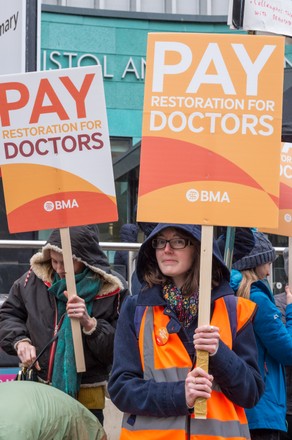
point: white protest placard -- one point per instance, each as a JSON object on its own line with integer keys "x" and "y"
{"x": 273, "y": 16}
{"x": 55, "y": 152}
{"x": 55, "y": 158}
{"x": 12, "y": 36}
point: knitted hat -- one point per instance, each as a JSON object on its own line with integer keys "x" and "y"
{"x": 261, "y": 253}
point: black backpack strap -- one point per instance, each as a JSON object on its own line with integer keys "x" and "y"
{"x": 42, "y": 351}
{"x": 231, "y": 304}
{"x": 28, "y": 373}
{"x": 139, "y": 312}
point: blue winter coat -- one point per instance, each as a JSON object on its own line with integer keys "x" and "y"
{"x": 274, "y": 342}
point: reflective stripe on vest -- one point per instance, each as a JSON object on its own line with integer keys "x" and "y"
{"x": 169, "y": 361}
{"x": 168, "y": 428}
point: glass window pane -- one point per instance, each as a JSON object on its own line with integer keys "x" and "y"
{"x": 187, "y": 7}
{"x": 80, "y": 3}
{"x": 117, "y": 5}
{"x": 152, "y": 6}
{"x": 220, "y": 8}
{"x": 50, "y": 2}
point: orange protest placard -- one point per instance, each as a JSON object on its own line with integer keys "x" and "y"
{"x": 285, "y": 205}
{"x": 55, "y": 152}
{"x": 212, "y": 129}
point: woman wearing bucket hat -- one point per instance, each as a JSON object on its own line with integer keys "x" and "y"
{"x": 274, "y": 340}
{"x": 154, "y": 379}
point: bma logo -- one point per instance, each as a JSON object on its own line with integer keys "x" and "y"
{"x": 60, "y": 204}
{"x": 193, "y": 195}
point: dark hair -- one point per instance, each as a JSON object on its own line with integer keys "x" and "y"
{"x": 153, "y": 275}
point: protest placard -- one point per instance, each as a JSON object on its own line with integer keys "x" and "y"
{"x": 284, "y": 226}
{"x": 261, "y": 15}
{"x": 55, "y": 154}
{"x": 211, "y": 130}
{"x": 55, "y": 158}
{"x": 285, "y": 203}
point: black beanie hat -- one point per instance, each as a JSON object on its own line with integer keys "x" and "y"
{"x": 261, "y": 253}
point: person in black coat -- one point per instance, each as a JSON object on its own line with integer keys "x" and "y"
{"x": 38, "y": 306}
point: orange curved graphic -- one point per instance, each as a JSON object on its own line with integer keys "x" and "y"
{"x": 285, "y": 196}
{"x": 41, "y": 197}
{"x": 26, "y": 182}
{"x": 61, "y": 210}
{"x": 214, "y": 202}
{"x": 196, "y": 164}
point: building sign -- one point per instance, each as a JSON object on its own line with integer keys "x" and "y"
{"x": 55, "y": 152}
{"x": 212, "y": 129}
{"x": 12, "y": 36}
{"x": 132, "y": 66}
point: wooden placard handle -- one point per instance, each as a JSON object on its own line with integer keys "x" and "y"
{"x": 204, "y": 306}
{"x": 71, "y": 288}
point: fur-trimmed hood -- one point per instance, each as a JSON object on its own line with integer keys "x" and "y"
{"x": 85, "y": 248}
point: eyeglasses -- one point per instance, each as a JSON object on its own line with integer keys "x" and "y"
{"x": 175, "y": 243}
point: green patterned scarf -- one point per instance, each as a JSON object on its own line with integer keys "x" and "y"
{"x": 65, "y": 375}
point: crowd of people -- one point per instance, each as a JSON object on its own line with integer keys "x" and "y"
{"x": 141, "y": 346}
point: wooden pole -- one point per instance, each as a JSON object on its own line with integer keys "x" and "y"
{"x": 204, "y": 307}
{"x": 71, "y": 288}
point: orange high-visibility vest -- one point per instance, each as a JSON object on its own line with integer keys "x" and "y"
{"x": 171, "y": 362}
